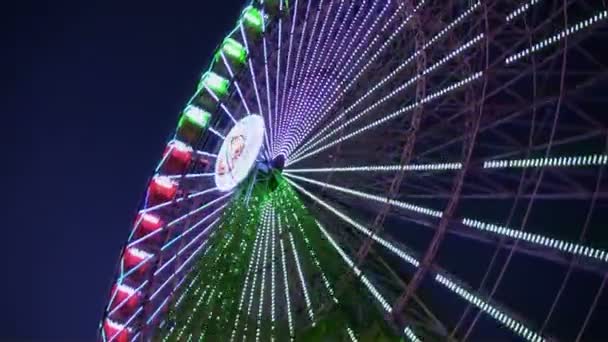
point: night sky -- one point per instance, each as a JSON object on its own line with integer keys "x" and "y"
{"x": 94, "y": 91}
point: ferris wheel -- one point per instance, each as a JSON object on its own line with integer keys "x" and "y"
{"x": 370, "y": 170}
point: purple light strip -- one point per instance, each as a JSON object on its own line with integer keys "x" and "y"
{"x": 255, "y": 86}
{"x": 298, "y": 62}
{"x": 308, "y": 60}
{"x": 286, "y": 114}
{"x": 379, "y": 50}
{"x": 236, "y": 83}
{"x": 307, "y": 97}
{"x": 277, "y": 78}
{"x": 312, "y": 77}
{"x": 269, "y": 126}
{"x": 289, "y": 114}
{"x": 283, "y": 93}
{"x": 393, "y": 93}
{"x": 363, "y": 42}
{"x": 321, "y": 87}
{"x": 276, "y": 87}
{"x": 340, "y": 63}
{"x": 432, "y": 41}
{"x": 324, "y": 55}
{"x": 390, "y": 116}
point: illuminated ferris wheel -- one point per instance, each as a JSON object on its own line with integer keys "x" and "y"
{"x": 371, "y": 170}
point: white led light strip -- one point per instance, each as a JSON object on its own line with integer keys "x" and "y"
{"x": 406, "y": 257}
{"x": 255, "y": 276}
{"x": 567, "y": 247}
{"x": 510, "y": 323}
{"x": 567, "y": 161}
{"x": 383, "y": 168}
{"x": 410, "y": 334}
{"x": 450, "y": 26}
{"x": 252, "y": 260}
{"x": 286, "y": 282}
{"x": 390, "y": 116}
{"x": 302, "y": 281}
{"x": 563, "y": 246}
{"x": 404, "y": 205}
{"x": 351, "y": 334}
{"x": 393, "y": 93}
{"x": 557, "y": 37}
{"x": 589, "y": 160}
{"x": 272, "y": 277}
{"x": 361, "y": 42}
{"x": 385, "y": 305}
{"x": 263, "y": 281}
{"x": 371, "y": 60}
{"x": 315, "y": 259}
{"x": 521, "y": 9}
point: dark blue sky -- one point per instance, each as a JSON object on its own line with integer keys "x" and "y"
{"x": 93, "y": 91}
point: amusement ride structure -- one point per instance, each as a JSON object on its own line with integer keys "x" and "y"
{"x": 379, "y": 170}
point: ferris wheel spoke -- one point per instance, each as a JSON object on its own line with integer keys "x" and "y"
{"x": 310, "y": 89}
{"x": 254, "y": 82}
{"x": 307, "y": 62}
{"x": 187, "y": 196}
{"x": 301, "y": 64}
{"x": 281, "y": 119}
{"x": 312, "y": 60}
{"x": 252, "y": 261}
{"x": 493, "y": 310}
{"x": 285, "y": 280}
{"x": 498, "y": 312}
{"x": 396, "y": 91}
{"x": 521, "y": 9}
{"x": 411, "y": 335}
{"x": 355, "y": 269}
{"x": 359, "y": 227}
{"x": 126, "y": 275}
{"x": 354, "y": 66}
{"x": 292, "y": 84}
{"x": 599, "y": 16}
{"x": 179, "y": 252}
{"x": 235, "y": 82}
{"x": 221, "y": 104}
{"x": 589, "y": 254}
{"x": 206, "y": 154}
{"x": 258, "y": 265}
{"x": 267, "y": 78}
{"x": 313, "y": 256}
{"x": 324, "y": 85}
{"x": 193, "y": 227}
{"x": 388, "y": 117}
{"x": 192, "y": 175}
{"x": 313, "y": 141}
{"x": 277, "y": 82}
{"x": 264, "y": 261}
{"x": 177, "y": 220}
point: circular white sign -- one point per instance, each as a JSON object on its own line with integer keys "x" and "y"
{"x": 239, "y": 152}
